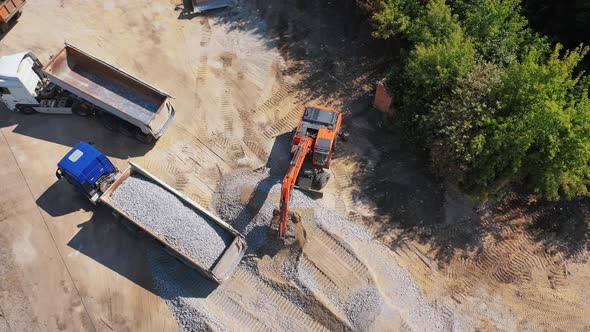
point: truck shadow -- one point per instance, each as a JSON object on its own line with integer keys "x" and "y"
{"x": 138, "y": 258}
{"x": 61, "y": 199}
{"x": 70, "y": 130}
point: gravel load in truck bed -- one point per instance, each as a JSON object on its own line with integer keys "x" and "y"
{"x": 165, "y": 215}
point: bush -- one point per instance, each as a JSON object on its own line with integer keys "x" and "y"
{"x": 487, "y": 98}
{"x": 457, "y": 123}
{"x": 541, "y": 129}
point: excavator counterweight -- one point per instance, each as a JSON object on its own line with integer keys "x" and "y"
{"x": 315, "y": 136}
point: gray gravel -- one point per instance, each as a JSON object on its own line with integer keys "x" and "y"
{"x": 363, "y": 306}
{"x": 396, "y": 297}
{"x": 185, "y": 292}
{"x": 163, "y": 214}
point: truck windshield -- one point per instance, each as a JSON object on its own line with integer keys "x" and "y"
{"x": 320, "y": 158}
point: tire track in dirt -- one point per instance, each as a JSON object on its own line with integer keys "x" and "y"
{"x": 285, "y": 124}
{"x": 331, "y": 271}
{"x": 284, "y": 92}
{"x": 285, "y": 307}
{"x": 205, "y": 31}
{"x": 344, "y": 186}
{"x": 234, "y": 309}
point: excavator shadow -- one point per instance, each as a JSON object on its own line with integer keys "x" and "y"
{"x": 263, "y": 239}
{"x": 137, "y": 258}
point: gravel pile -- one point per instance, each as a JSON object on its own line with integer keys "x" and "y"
{"x": 363, "y": 306}
{"x": 163, "y": 214}
{"x": 246, "y": 200}
{"x": 185, "y": 292}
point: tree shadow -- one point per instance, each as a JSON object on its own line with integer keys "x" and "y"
{"x": 411, "y": 203}
{"x": 137, "y": 258}
{"x": 562, "y": 227}
{"x": 328, "y": 44}
{"x": 407, "y": 200}
{"x": 70, "y": 130}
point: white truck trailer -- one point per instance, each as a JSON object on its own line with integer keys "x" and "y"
{"x": 77, "y": 82}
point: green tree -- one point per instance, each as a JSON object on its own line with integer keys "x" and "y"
{"x": 541, "y": 131}
{"x": 394, "y": 17}
{"x": 434, "y": 24}
{"x": 456, "y": 124}
{"x": 433, "y": 69}
{"x": 488, "y": 98}
{"x": 498, "y": 28}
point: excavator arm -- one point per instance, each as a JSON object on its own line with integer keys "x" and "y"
{"x": 299, "y": 152}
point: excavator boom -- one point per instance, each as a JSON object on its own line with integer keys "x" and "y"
{"x": 315, "y": 136}
{"x": 299, "y": 151}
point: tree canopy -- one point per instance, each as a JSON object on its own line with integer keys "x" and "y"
{"x": 492, "y": 101}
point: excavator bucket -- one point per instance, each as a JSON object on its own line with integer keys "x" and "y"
{"x": 297, "y": 231}
{"x": 198, "y": 6}
{"x": 300, "y": 234}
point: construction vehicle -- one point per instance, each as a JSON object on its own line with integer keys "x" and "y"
{"x": 95, "y": 176}
{"x": 312, "y": 147}
{"x": 76, "y": 82}
{"x": 198, "y": 6}
{"x": 10, "y": 11}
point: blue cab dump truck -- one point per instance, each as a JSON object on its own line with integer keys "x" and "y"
{"x": 97, "y": 178}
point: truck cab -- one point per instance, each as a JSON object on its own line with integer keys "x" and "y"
{"x": 88, "y": 170}
{"x": 20, "y": 78}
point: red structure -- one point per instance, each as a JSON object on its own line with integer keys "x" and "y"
{"x": 383, "y": 99}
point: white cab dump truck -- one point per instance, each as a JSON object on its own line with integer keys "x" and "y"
{"x": 77, "y": 82}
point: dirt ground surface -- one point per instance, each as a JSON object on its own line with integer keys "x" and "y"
{"x": 240, "y": 78}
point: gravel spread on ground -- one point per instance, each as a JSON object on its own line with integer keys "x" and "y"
{"x": 168, "y": 217}
{"x": 246, "y": 200}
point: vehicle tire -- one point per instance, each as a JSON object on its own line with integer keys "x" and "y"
{"x": 28, "y": 110}
{"x": 110, "y": 122}
{"x": 81, "y": 109}
{"x": 143, "y": 138}
{"x": 321, "y": 180}
{"x": 127, "y": 129}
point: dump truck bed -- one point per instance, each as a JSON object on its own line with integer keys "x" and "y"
{"x": 109, "y": 88}
{"x": 9, "y": 8}
{"x": 198, "y": 6}
{"x": 231, "y": 255}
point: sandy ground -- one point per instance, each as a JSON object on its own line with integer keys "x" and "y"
{"x": 67, "y": 266}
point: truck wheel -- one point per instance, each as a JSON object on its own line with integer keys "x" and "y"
{"x": 28, "y": 110}
{"x": 127, "y": 129}
{"x": 110, "y": 122}
{"x": 143, "y": 138}
{"x": 81, "y": 109}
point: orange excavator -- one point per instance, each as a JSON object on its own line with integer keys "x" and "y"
{"x": 316, "y": 137}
